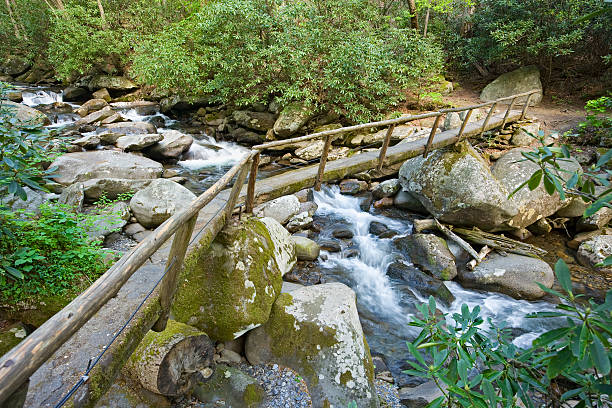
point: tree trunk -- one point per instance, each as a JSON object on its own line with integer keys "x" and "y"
{"x": 426, "y": 23}
{"x": 13, "y": 21}
{"x": 102, "y": 14}
{"x": 414, "y": 19}
{"x": 171, "y": 362}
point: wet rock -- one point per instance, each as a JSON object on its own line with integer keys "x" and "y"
{"x": 430, "y": 253}
{"x": 316, "y": 331}
{"x": 230, "y": 387}
{"x": 521, "y": 135}
{"x": 408, "y": 201}
{"x": 73, "y": 167}
{"x": 109, "y": 138}
{"x": 381, "y": 230}
{"x": 88, "y": 142}
{"x": 244, "y": 136}
{"x": 330, "y": 245}
{"x": 596, "y": 221}
{"x": 15, "y": 96}
{"x": 299, "y": 222}
{"x": 172, "y": 146}
{"x": 305, "y": 249}
{"x": 595, "y": 250}
{"x": 158, "y": 201}
{"x": 281, "y": 208}
{"x": 258, "y": 121}
{"x": 96, "y": 116}
{"x": 352, "y": 186}
{"x": 75, "y": 94}
{"x": 291, "y": 119}
{"x": 383, "y": 202}
{"x": 366, "y": 200}
{"x": 306, "y": 195}
{"x": 91, "y": 105}
{"x": 309, "y": 207}
{"x": 342, "y": 233}
{"x": 518, "y": 81}
{"x": 131, "y": 128}
{"x": 137, "y": 142}
{"x": 25, "y": 115}
{"x": 228, "y": 288}
{"x": 420, "y": 396}
{"x": 387, "y": 188}
{"x": 514, "y": 275}
{"x": 424, "y": 284}
{"x": 102, "y": 94}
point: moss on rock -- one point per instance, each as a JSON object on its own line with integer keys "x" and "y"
{"x": 229, "y": 287}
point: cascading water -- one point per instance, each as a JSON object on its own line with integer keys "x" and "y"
{"x": 386, "y": 305}
{"x": 37, "y": 97}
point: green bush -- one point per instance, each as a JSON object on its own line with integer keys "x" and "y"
{"x": 597, "y": 127}
{"x": 333, "y": 54}
{"x": 47, "y": 254}
{"x": 33, "y": 19}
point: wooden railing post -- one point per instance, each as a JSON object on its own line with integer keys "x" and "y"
{"x": 385, "y": 146}
{"x": 465, "y": 122}
{"x": 317, "y": 185}
{"x": 486, "y": 122}
{"x": 432, "y": 134}
{"x": 250, "y": 199}
{"x": 236, "y": 188}
{"x": 526, "y": 106}
{"x": 174, "y": 264}
{"x": 507, "y": 113}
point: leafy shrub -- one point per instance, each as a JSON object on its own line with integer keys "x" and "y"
{"x": 475, "y": 366}
{"x": 33, "y": 19}
{"x": 597, "y": 128}
{"x": 47, "y": 254}
{"x": 333, "y": 54}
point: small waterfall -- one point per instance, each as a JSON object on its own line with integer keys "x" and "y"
{"x": 207, "y": 152}
{"x": 41, "y": 97}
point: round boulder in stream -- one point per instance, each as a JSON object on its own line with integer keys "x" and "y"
{"x": 514, "y": 275}
{"x": 430, "y": 253}
{"x": 229, "y": 287}
{"x": 158, "y": 201}
{"x": 424, "y": 284}
{"x": 316, "y": 331}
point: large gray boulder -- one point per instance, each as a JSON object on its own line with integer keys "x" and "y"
{"x": 137, "y": 142}
{"x": 25, "y": 115}
{"x": 512, "y": 171}
{"x": 291, "y": 119}
{"x": 172, "y": 146}
{"x": 131, "y": 128}
{"x": 81, "y": 166}
{"x": 514, "y": 275}
{"x": 113, "y": 83}
{"x": 595, "y": 250}
{"x": 14, "y": 65}
{"x": 316, "y": 331}
{"x": 93, "y": 189}
{"x": 258, "y": 121}
{"x": 456, "y": 186}
{"x": 430, "y": 253}
{"x": 515, "y": 82}
{"x": 281, "y": 208}
{"x": 229, "y": 287}
{"x": 158, "y": 201}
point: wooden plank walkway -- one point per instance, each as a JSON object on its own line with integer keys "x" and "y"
{"x": 55, "y": 378}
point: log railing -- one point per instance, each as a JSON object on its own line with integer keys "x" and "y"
{"x": 23, "y": 360}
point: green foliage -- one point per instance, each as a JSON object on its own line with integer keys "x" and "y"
{"x": 476, "y": 366}
{"x": 23, "y": 148}
{"x": 47, "y": 254}
{"x": 529, "y": 31}
{"x": 333, "y": 54}
{"x": 104, "y": 201}
{"x": 33, "y": 21}
{"x": 597, "y": 128}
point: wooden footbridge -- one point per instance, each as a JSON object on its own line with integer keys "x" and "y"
{"x": 75, "y": 357}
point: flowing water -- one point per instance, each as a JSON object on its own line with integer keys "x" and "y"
{"x": 386, "y": 305}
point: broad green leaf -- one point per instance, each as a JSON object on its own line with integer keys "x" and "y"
{"x": 604, "y": 159}
{"x": 563, "y": 275}
{"x": 534, "y": 180}
{"x": 599, "y": 356}
{"x": 559, "y": 362}
{"x": 550, "y": 336}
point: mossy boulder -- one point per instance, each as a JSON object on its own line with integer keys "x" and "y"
{"x": 229, "y": 288}
{"x": 315, "y": 330}
{"x": 231, "y": 386}
{"x": 25, "y": 115}
{"x": 430, "y": 253}
{"x": 511, "y": 83}
{"x": 291, "y": 119}
{"x": 456, "y": 186}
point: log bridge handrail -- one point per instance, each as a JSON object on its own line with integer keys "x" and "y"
{"x": 22, "y": 361}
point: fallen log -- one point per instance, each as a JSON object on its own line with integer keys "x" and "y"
{"x": 427, "y": 224}
{"x": 172, "y": 361}
{"x": 500, "y": 242}
{"x": 484, "y": 251}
